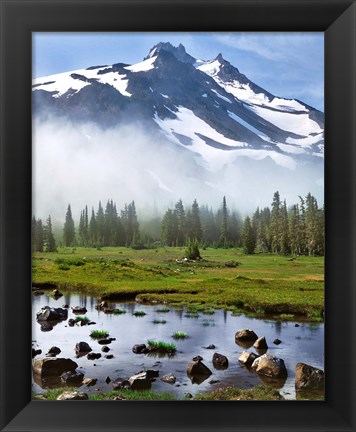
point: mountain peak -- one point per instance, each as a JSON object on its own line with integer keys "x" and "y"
{"x": 179, "y": 52}
{"x": 220, "y": 58}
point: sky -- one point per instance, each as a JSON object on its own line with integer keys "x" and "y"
{"x": 287, "y": 64}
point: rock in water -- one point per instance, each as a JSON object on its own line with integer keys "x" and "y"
{"x": 53, "y": 366}
{"x": 169, "y": 378}
{"x": 47, "y": 313}
{"x": 270, "y": 365}
{"x": 72, "y": 378}
{"x": 261, "y": 343}
{"x": 308, "y": 377}
{"x": 247, "y": 358}
{"x": 220, "y": 361}
{"x": 246, "y": 335}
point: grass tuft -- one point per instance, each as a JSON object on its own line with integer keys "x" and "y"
{"x": 161, "y": 346}
{"x": 83, "y": 319}
{"x": 119, "y": 311}
{"x": 179, "y": 335}
{"x": 99, "y": 334}
{"x": 159, "y": 321}
{"x": 163, "y": 310}
{"x": 139, "y": 313}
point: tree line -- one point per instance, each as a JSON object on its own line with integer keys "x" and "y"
{"x": 297, "y": 230}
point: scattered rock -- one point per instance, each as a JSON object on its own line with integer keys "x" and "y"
{"x": 188, "y": 396}
{"x": 296, "y": 325}
{"x": 120, "y": 383}
{"x": 105, "y": 341}
{"x": 211, "y": 346}
{"x": 261, "y": 343}
{"x": 79, "y": 309}
{"x": 150, "y": 374}
{"x": 197, "y": 358}
{"x": 247, "y": 358}
{"x": 73, "y": 395}
{"x": 53, "y": 366}
{"x": 105, "y": 349}
{"x": 308, "y": 377}
{"x": 198, "y": 369}
{"x": 220, "y": 361}
{"x": 214, "y": 381}
{"x": 270, "y": 365}
{"x": 246, "y": 335}
{"x": 82, "y": 347}
{"x": 169, "y": 378}
{"x": 231, "y": 264}
{"x": 107, "y": 380}
{"x": 46, "y": 327}
{"x": 93, "y": 356}
{"x": 140, "y": 349}
{"x": 71, "y": 322}
{"x": 72, "y": 378}
{"x": 140, "y": 381}
{"x": 56, "y": 293}
{"x": 109, "y": 356}
{"x": 36, "y": 352}
{"x": 47, "y": 313}
{"x": 101, "y": 305}
{"x": 54, "y": 350}
{"x": 89, "y": 381}
{"x": 277, "y": 341}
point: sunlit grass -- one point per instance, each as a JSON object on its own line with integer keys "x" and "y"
{"x": 99, "y": 334}
{"x": 179, "y": 335}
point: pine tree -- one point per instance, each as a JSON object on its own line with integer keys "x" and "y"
{"x": 192, "y": 251}
{"x": 224, "y": 235}
{"x": 294, "y": 230}
{"x": 248, "y": 240}
{"x": 169, "y": 228}
{"x": 275, "y": 224}
{"x": 284, "y": 236}
{"x": 68, "y": 230}
{"x": 194, "y": 229}
{"x": 49, "y": 240}
{"x": 92, "y": 229}
{"x": 181, "y": 223}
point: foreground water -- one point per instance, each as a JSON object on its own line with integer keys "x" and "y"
{"x": 301, "y": 342}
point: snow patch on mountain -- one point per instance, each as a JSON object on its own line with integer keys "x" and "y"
{"x": 143, "y": 66}
{"x": 248, "y": 126}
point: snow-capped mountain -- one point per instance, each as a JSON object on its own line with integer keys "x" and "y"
{"x": 207, "y": 107}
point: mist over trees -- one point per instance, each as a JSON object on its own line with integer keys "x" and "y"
{"x": 279, "y": 229}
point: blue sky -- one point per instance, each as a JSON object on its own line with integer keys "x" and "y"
{"x": 288, "y": 65}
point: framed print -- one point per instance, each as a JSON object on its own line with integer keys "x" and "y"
{"x": 176, "y": 262}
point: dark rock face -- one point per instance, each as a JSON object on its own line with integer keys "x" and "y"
{"x": 54, "y": 350}
{"x": 53, "y": 366}
{"x": 72, "y": 378}
{"x": 82, "y": 347}
{"x": 247, "y": 358}
{"x": 270, "y": 365}
{"x": 51, "y": 314}
{"x": 308, "y": 377}
{"x": 93, "y": 356}
{"x": 120, "y": 383}
{"x": 261, "y": 344}
{"x": 140, "y": 349}
{"x": 73, "y": 395}
{"x": 220, "y": 361}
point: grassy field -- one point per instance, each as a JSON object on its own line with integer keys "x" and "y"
{"x": 261, "y": 284}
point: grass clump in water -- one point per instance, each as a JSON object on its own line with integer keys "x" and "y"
{"x": 159, "y": 321}
{"x": 83, "y": 319}
{"x": 208, "y": 311}
{"x": 139, "y": 313}
{"x": 99, "y": 334}
{"x": 119, "y": 311}
{"x": 163, "y": 310}
{"x": 179, "y": 335}
{"x": 160, "y": 346}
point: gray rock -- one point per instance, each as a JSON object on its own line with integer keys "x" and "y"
{"x": 247, "y": 358}
{"x": 140, "y": 382}
{"x": 82, "y": 347}
{"x": 79, "y": 309}
{"x": 47, "y": 313}
{"x": 140, "y": 349}
{"x": 56, "y": 293}
{"x": 89, "y": 381}
{"x": 72, "y": 378}
{"x": 277, "y": 341}
{"x": 308, "y": 377}
{"x": 93, "y": 356}
{"x": 120, "y": 383}
{"x": 220, "y": 361}
{"x": 169, "y": 378}
{"x": 105, "y": 349}
{"x": 270, "y": 365}
{"x": 54, "y": 350}
{"x": 73, "y": 395}
{"x": 211, "y": 346}
{"x": 261, "y": 343}
{"x": 198, "y": 368}
{"x": 53, "y": 366}
{"x": 246, "y": 335}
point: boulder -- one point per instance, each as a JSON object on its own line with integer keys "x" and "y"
{"x": 140, "y": 382}
{"x": 93, "y": 356}
{"x": 261, "y": 344}
{"x": 53, "y": 366}
{"x": 82, "y": 347}
{"x": 308, "y": 377}
{"x": 47, "y": 313}
{"x": 120, "y": 383}
{"x": 220, "y": 361}
{"x": 79, "y": 309}
{"x": 89, "y": 381}
{"x": 72, "y": 378}
{"x": 140, "y": 349}
{"x": 247, "y": 358}
{"x": 73, "y": 395}
{"x": 198, "y": 369}
{"x": 270, "y": 365}
{"x": 150, "y": 374}
{"x": 54, "y": 350}
{"x": 245, "y": 335}
{"x": 168, "y": 378}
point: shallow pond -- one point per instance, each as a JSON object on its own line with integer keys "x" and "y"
{"x": 301, "y": 342}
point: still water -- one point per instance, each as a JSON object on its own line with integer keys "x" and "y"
{"x": 301, "y": 342}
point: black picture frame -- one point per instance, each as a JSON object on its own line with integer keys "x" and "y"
{"x": 21, "y": 17}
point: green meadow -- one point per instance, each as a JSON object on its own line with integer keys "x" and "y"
{"x": 258, "y": 284}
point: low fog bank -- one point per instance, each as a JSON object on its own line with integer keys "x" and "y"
{"x": 80, "y": 164}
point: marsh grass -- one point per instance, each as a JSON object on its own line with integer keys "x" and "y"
{"x": 162, "y": 310}
{"x": 155, "y": 321}
{"x": 139, "y": 313}
{"x": 119, "y": 311}
{"x": 99, "y": 334}
{"x": 161, "y": 346}
{"x": 179, "y": 335}
{"x": 83, "y": 319}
